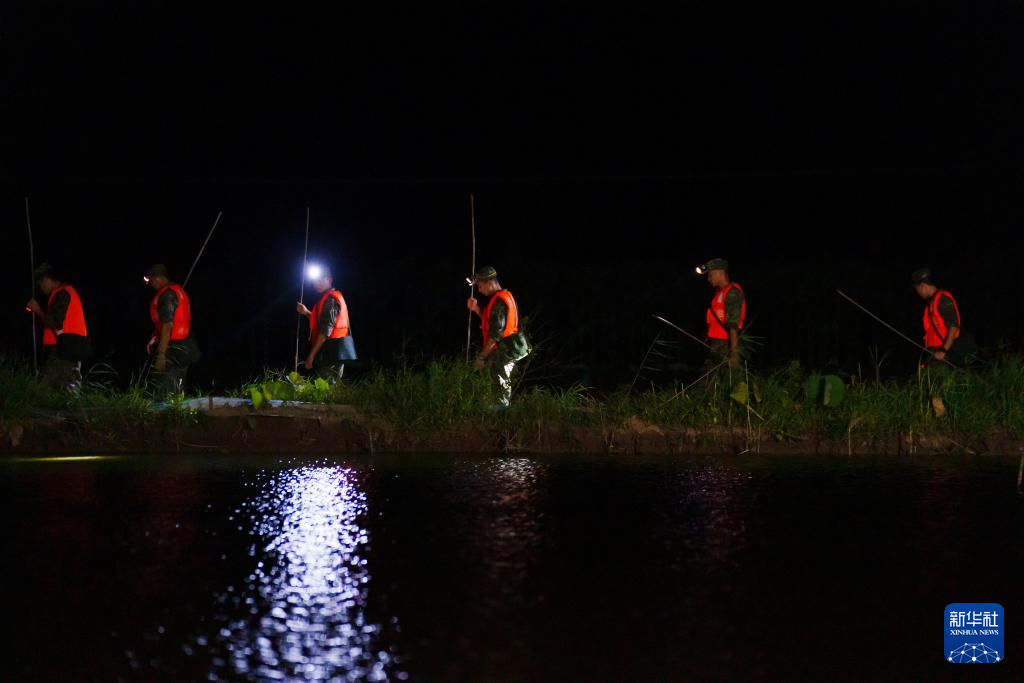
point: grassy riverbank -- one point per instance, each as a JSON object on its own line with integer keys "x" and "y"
{"x": 444, "y": 397}
{"x": 101, "y": 402}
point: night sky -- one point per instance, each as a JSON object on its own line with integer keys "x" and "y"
{"x": 609, "y": 151}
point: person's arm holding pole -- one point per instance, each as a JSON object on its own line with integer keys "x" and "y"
{"x": 946, "y": 346}
{"x": 316, "y": 343}
{"x": 34, "y": 307}
{"x": 57, "y": 309}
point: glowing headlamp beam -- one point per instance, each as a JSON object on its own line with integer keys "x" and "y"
{"x": 314, "y": 271}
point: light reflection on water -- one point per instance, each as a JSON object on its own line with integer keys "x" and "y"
{"x": 303, "y": 605}
{"x": 508, "y": 495}
{"x": 713, "y": 521}
{"x": 526, "y": 569}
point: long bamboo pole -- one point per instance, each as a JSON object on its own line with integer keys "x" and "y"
{"x": 302, "y": 290}
{"x": 694, "y": 338}
{"x": 905, "y": 337}
{"x": 32, "y": 284}
{"x": 472, "y": 225}
{"x": 202, "y": 249}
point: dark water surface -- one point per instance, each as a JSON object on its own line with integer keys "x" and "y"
{"x": 569, "y": 568}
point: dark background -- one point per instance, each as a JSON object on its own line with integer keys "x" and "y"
{"x": 609, "y": 151}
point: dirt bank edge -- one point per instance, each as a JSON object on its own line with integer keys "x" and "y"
{"x": 349, "y": 432}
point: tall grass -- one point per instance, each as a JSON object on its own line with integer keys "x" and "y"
{"x": 22, "y": 395}
{"x": 447, "y": 394}
{"x": 100, "y": 403}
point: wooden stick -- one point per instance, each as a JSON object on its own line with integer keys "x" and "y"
{"x": 472, "y": 225}
{"x": 302, "y": 291}
{"x": 923, "y": 348}
{"x": 32, "y": 265}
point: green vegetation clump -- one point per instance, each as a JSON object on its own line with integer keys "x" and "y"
{"x": 438, "y": 395}
{"x": 788, "y": 402}
{"x": 21, "y": 395}
{"x": 100, "y": 404}
{"x": 441, "y": 395}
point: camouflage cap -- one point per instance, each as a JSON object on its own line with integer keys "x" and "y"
{"x": 714, "y": 264}
{"x": 157, "y": 270}
{"x": 43, "y": 270}
{"x": 485, "y": 273}
{"x": 921, "y": 275}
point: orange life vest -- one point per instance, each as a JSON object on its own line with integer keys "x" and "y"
{"x": 74, "y": 319}
{"x": 716, "y": 313}
{"x": 511, "y": 321}
{"x": 340, "y": 323}
{"x": 935, "y": 331}
{"x": 182, "y": 314}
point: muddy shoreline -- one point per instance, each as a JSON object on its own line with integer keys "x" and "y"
{"x": 344, "y": 429}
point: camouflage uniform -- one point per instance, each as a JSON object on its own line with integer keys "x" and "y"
{"x": 63, "y": 367}
{"x": 180, "y": 353}
{"x": 511, "y": 349}
{"x": 733, "y": 310}
{"x": 329, "y": 362}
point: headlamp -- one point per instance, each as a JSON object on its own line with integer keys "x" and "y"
{"x": 314, "y": 271}
{"x": 701, "y": 270}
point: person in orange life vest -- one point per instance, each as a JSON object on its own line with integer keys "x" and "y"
{"x": 725, "y": 314}
{"x": 330, "y": 335}
{"x": 943, "y": 334}
{"x": 65, "y": 336}
{"x": 503, "y": 342}
{"x": 172, "y": 347}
